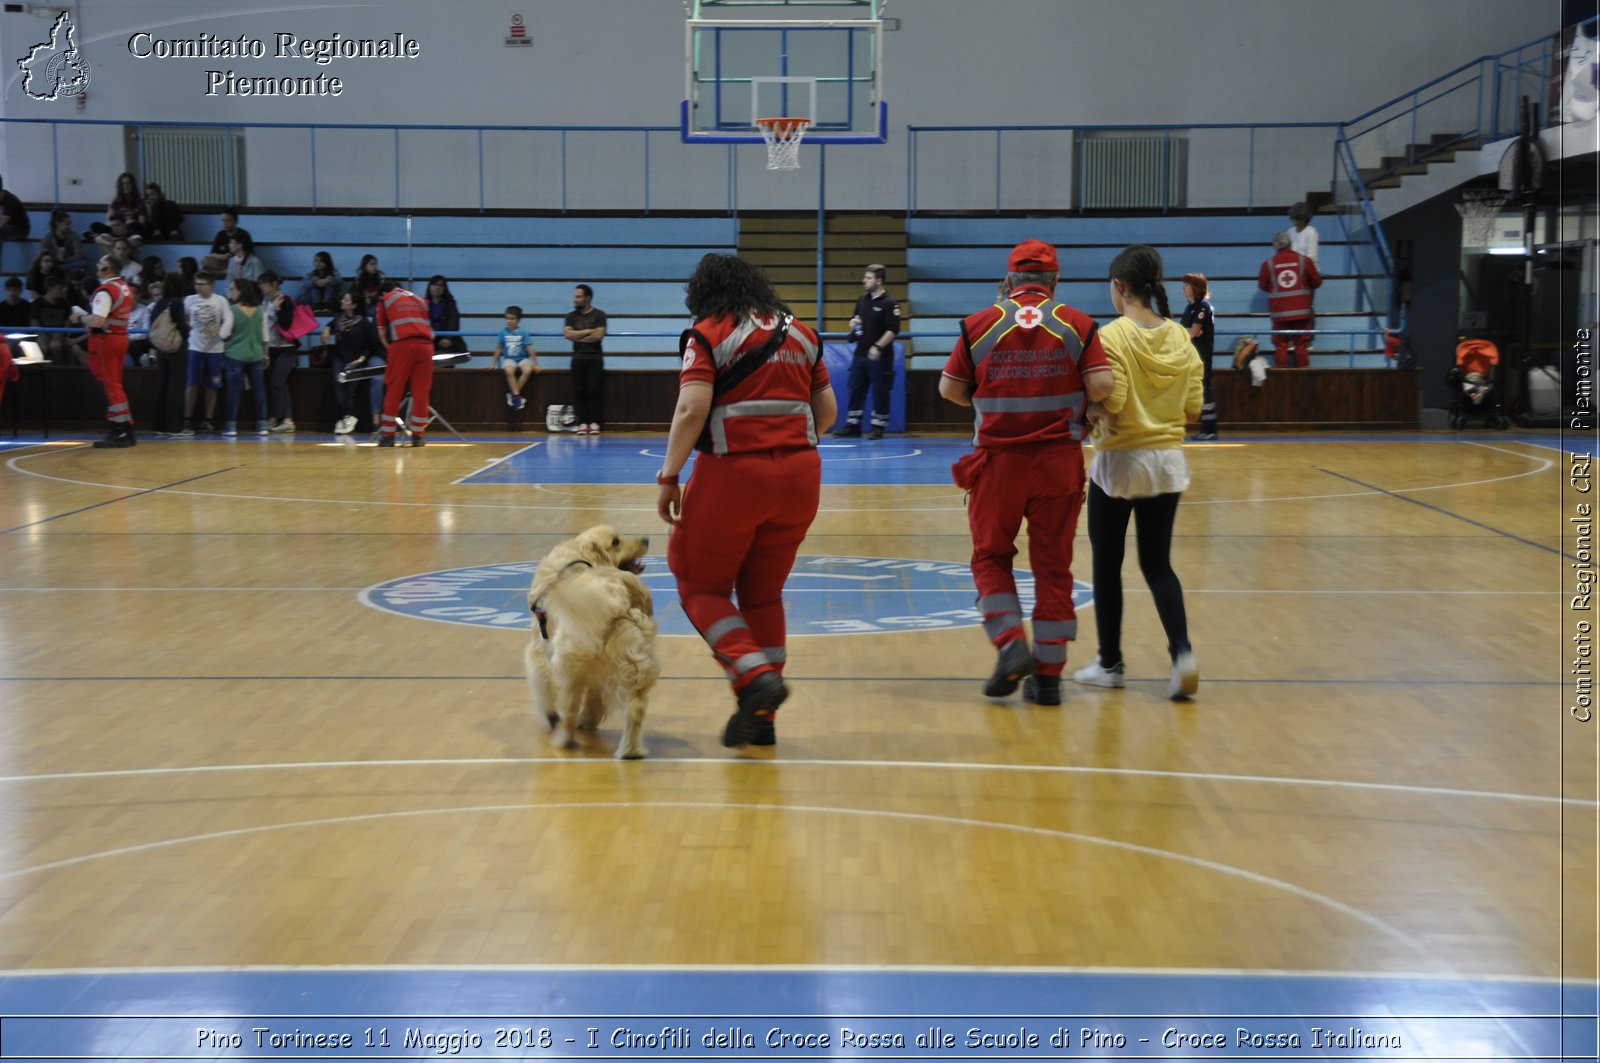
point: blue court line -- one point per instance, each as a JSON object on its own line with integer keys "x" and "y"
{"x": 121, "y": 498}
{"x": 1447, "y": 513}
{"x": 708, "y": 678}
{"x": 735, "y": 1013}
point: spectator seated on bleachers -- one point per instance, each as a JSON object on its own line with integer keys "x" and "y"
{"x": 367, "y": 284}
{"x": 118, "y": 228}
{"x": 322, "y": 286}
{"x": 15, "y": 313}
{"x": 42, "y": 267}
{"x": 242, "y": 261}
{"x": 444, "y": 316}
{"x": 217, "y": 260}
{"x": 14, "y": 223}
{"x": 127, "y": 205}
{"x": 62, "y": 242}
{"x": 54, "y": 309}
{"x": 161, "y": 218}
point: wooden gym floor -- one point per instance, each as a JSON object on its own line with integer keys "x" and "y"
{"x": 222, "y": 751}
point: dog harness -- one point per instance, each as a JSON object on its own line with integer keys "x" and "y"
{"x": 537, "y": 608}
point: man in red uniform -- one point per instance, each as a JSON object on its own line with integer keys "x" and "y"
{"x": 1028, "y": 365}
{"x": 108, "y": 314}
{"x": 405, "y": 331}
{"x": 1289, "y": 278}
{"x": 752, "y": 393}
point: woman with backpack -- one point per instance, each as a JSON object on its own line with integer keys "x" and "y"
{"x": 169, "y": 343}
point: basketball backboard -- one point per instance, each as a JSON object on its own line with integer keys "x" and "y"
{"x": 771, "y": 63}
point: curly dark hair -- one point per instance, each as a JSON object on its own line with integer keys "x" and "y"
{"x": 727, "y": 284}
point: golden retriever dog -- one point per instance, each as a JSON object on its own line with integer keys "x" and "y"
{"x": 593, "y": 649}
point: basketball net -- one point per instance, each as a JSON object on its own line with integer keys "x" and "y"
{"x": 783, "y": 137}
{"x": 1479, "y": 209}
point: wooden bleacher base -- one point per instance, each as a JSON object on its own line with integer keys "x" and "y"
{"x": 643, "y": 400}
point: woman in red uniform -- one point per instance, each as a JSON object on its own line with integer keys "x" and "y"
{"x": 752, "y": 393}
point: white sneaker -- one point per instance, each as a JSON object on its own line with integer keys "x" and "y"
{"x": 285, "y": 425}
{"x": 346, "y": 425}
{"x": 1095, "y": 676}
{"x": 594, "y": 429}
{"x": 1185, "y": 677}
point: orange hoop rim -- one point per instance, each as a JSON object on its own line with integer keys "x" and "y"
{"x": 784, "y": 126}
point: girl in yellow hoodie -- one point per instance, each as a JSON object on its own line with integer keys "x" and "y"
{"x": 1139, "y": 470}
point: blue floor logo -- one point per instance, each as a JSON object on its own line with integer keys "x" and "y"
{"x": 825, "y": 595}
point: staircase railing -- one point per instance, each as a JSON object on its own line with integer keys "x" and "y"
{"x": 1474, "y": 104}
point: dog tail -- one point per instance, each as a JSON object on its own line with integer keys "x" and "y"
{"x": 634, "y": 635}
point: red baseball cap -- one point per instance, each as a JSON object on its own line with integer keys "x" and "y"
{"x": 1032, "y": 256}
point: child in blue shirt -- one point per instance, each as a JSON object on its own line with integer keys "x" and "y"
{"x": 522, "y": 361}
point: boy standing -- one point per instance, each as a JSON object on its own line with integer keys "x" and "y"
{"x": 210, "y": 324}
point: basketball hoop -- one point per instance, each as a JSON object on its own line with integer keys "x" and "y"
{"x": 783, "y": 137}
{"x": 1479, "y": 208}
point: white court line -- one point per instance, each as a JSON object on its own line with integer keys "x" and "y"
{"x": 491, "y": 464}
{"x": 610, "y": 506}
{"x": 1040, "y": 769}
{"x": 715, "y": 806}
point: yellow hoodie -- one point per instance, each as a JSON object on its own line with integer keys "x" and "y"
{"x": 1159, "y": 385}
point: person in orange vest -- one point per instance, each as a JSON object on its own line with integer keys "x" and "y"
{"x": 1027, "y": 366}
{"x": 405, "y": 332}
{"x": 112, "y": 303}
{"x": 1289, "y": 278}
{"x": 752, "y": 393}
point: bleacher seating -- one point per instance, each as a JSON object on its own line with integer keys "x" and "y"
{"x": 637, "y": 266}
{"x": 955, "y": 262}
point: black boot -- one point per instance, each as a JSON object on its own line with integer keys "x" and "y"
{"x": 1042, "y": 689}
{"x": 757, "y": 703}
{"x": 1014, "y": 663}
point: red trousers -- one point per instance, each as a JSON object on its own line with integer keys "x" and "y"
{"x": 410, "y": 364}
{"x": 8, "y": 371}
{"x": 107, "y": 350}
{"x": 743, "y": 519}
{"x": 1045, "y": 485}
{"x": 1302, "y": 344}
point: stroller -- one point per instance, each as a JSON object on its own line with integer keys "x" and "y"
{"x": 1474, "y": 384}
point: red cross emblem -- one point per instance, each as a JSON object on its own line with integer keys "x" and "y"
{"x": 1287, "y": 278}
{"x": 1029, "y": 317}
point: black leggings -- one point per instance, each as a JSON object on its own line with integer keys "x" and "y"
{"x": 1108, "y": 530}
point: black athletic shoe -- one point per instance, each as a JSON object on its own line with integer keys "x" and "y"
{"x": 118, "y": 437}
{"x": 765, "y": 733}
{"x": 1042, "y": 689}
{"x": 1014, "y": 663}
{"x": 877, "y": 432}
{"x": 418, "y": 441}
{"x": 386, "y": 440}
{"x": 849, "y": 431}
{"x": 757, "y": 702}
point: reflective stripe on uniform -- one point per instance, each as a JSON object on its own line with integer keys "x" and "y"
{"x": 1001, "y": 613}
{"x": 1028, "y": 404}
{"x": 776, "y": 654}
{"x": 410, "y": 318}
{"x": 732, "y": 622}
{"x": 1070, "y": 340}
{"x": 750, "y": 662}
{"x": 757, "y": 408}
{"x": 1051, "y": 630}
